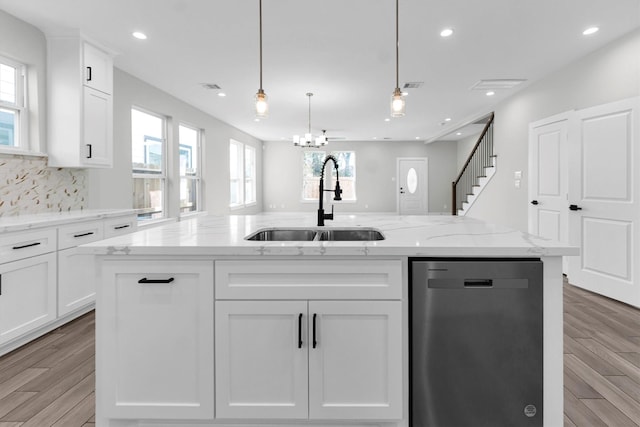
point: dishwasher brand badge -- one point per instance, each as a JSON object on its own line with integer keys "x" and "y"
{"x": 530, "y": 410}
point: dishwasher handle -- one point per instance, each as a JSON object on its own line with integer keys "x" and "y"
{"x": 478, "y": 283}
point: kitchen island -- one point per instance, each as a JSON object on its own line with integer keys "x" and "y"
{"x": 198, "y": 326}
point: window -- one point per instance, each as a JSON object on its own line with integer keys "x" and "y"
{"x": 312, "y": 167}
{"x": 148, "y": 148}
{"x": 189, "y": 154}
{"x": 242, "y": 174}
{"x": 13, "y": 117}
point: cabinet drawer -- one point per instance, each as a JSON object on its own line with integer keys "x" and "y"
{"x": 117, "y": 226}
{"x": 78, "y": 234}
{"x": 309, "y": 279}
{"x": 15, "y": 246}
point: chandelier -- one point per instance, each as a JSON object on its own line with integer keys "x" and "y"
{"x": 308, "y": 140}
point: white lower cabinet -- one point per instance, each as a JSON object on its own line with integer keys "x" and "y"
{"x": 309, "y": 360}
{"x": 76, "y": 281}
{"x": 155, "y": 340}
{"x": 27, "y": 295}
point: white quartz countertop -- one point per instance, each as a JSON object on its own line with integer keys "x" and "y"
{"x": 33, "y": 221}
{"x": 404, "y": 236}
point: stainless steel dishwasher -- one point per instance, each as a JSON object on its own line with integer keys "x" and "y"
{"x": 476, "y": 342}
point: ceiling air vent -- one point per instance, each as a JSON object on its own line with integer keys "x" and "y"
{"x": 210, "y": 86}
{"x": 412, "y": 85}
{"x": 492, "y": 84}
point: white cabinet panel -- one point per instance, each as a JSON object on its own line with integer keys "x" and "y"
{"x": 27, "y": 295}
{"x": 155, "y": 319}
{"x": 117, "y": 226}
{"x": 20, "y": 245}
{"x": 76, "y": 280}
{"x": 79, "y": 233}
{"x": 97, "y": 127}
{"x": 98, "y": 69}
{"x": 261, "y": 359}
{"x": 355, "y": 365}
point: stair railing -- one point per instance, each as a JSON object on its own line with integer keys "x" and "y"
{"x": 480, "y": 158}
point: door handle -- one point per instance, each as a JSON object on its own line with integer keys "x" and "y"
{"x": 300, "y": 330}
{"x": 315, "y": 343}
{"x": 534, "y": 202}
{"x": 575, "y": 208}
{"x": 401, "y": 190}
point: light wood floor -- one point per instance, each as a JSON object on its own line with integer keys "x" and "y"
{"x": 50, "y": 382}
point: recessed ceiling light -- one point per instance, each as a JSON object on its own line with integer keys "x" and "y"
{"x": 458, "y": 133}
{"x": 448, "y": 119}
{"x": 405, "y": 93}
{"x": 375, "y": 137}
{"x": 256, "y": 119}
{"x": 222, "y": 94}
{"x": 417, "y": 137}
{"x": 387, "y": 119}
{"x": 491, "y": 93}
{"x": 590, "y": 30}
{"x": 446, "y": 32}
{"x": 139, "y": 35}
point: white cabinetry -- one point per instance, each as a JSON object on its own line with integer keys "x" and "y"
{"x": 311, "y": 359}
{"x": 155, "y": 340}
{"x": 27, "y": 283}
{"x": 80, "y": 104}
{"x": 76, "y": 273}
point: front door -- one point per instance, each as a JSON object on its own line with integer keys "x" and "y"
{"x": 604, "y": 212}
{"x": 548, "y": 186}
{"x": 412, "y": 186}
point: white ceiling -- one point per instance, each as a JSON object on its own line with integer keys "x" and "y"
{"x": 341, "y": 50}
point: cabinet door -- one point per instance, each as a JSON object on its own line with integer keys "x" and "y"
{"x": 355, "y": 368}
{"x": 155, "y": 340}
{"x": 97, "y": 128}
{"x": 76, "y": 280}
{"x": 98, "y": 69}
{"x": 27, "y": 295}
{"x": 261, "y": 359}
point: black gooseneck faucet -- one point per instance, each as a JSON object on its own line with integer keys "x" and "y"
{"x": 337, "y": 191}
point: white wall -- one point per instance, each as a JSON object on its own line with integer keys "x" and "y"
{"x": 376, "y": 187}
{"x": 609, "y": 74}
{"x": 111, "y": 188}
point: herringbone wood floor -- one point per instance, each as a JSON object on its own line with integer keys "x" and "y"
{"x": 50, "y": 382}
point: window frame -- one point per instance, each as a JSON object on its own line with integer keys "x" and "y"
{"x": 162, "y": 175}
{"x": 20, "y": 107}
{"x": 197, "y": 177}
{"x": 328, "y": 177}
{"x": 241, "y": 180}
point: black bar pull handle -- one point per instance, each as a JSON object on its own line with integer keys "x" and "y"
{"x": 120, "y": 227}
{"x": 145, "y": 280}
{"x": 90, "y": 151}
{"x": 300, "y": 330}
{"x": 315, "y": 342}
{"x": 88, "y": 74}
{"x": 478, "y": 283}
{"x": 0, "y": 284}
{"x": 575, "y": 208}
{"x": 534, "y": 202}
{"x": 83, "y": 234}
{"x": 27, "y": 246}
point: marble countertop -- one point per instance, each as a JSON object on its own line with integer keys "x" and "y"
{"x": 404, "y": 236}
{"x": 28, "y": 222}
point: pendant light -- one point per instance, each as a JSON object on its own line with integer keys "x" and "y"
{"x": 262, "y": 108}
{"x": 308, "y": 140}
{"x": 397, "y": 100}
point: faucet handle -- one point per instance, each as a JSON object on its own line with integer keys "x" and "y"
{"x": 337, "y": 193}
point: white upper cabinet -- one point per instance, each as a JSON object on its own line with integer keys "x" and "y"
{"x": 79, "y": 104}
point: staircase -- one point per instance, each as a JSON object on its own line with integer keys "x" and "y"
{"x": 476, "y": 172}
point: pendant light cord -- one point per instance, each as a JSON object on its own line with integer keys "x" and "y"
{"x": 309, "y": 95}
{"x": 397, "y": 48}
{"x": 260, "y": 44}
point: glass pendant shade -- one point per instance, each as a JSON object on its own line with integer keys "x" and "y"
{"x": 262, "y": 107}
{"x": 397, "y": 104}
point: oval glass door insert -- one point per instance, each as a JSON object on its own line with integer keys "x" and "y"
{"x": 412, "y": 180}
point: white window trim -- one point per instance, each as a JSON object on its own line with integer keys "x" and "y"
{"x": 23, "y": 146}
{"x": 242, "y": 147}
{"x": 163, "y": 175}
{"x": 198, "y": 175}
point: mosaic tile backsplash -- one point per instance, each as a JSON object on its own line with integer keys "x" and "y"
{"x": 28, "y": 186}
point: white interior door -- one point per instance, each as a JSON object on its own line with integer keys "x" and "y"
{"x": 548, "y": 178}
{"x": 412, "y": 186}
{"x": 603, "y": 194}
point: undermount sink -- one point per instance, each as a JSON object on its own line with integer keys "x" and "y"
{"x": 316, "y": 234}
